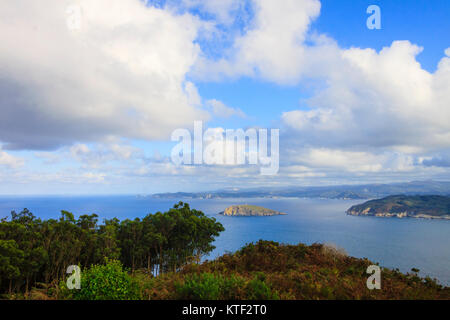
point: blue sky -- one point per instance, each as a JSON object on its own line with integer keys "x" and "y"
{"x": 421, "y": 22}
{"x": 92, "y": 92}
{"x": 424, "y": 22}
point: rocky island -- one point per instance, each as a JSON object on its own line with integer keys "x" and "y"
{"x": 245, "y": 210}
{"x": 401, "y": 206}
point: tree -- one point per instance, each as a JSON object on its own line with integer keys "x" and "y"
{"x": 32, "y": 250}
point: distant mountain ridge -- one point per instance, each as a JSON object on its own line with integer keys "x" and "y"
{"x": 366, "y": 191}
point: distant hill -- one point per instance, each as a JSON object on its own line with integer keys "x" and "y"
{"x": 429, "y": 206}
{"x": 250, "y": 211}
{"x": 368, "y": 191}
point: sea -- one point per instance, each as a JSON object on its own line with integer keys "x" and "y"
{"x": 392, "y": 242}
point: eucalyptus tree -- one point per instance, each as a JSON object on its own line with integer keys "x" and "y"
{"x": 34, "y": 250}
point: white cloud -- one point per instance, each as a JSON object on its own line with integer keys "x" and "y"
{"x": 101, "y": 155}
{"x": 351, "y": 161}
{"x": 192, "y": 94}
{"x": 10, "y": 161}
{"x": 272, "y": 48}
{"x": 365, "y": 98}
{"x": 221, "y": 10}
{"x": 121, "y": 73}
{"x": 221, "y": 110}
{"x": 379, "y": 99}
{"x": 447, "y": 52}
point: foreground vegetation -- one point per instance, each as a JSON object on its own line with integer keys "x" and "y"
{"x": 266, "y": 270}
{"x": 269, "y": 270}
{"x": 158, "y": 257}
{"x": 37, "y": 252}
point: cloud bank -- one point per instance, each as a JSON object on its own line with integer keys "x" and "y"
{"x": 90, "y": 70}
{"x": 128, "y": 72}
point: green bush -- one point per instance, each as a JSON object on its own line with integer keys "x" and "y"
{"x": 257, "y": 289}
{"x": 107, "y": 282}
{"x": 205, "y": 286}
{"x": 208, "y": 286}
{"x": 232, "y": 288}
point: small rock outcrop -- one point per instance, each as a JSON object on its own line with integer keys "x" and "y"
{"x": 250, "y": 211}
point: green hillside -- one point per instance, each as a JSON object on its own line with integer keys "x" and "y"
{"x": 432, "y": 206}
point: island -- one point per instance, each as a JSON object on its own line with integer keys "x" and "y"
{"x": 245, "y": 210}
{"x": 401, "y": 206}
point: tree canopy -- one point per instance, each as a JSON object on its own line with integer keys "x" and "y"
{"x": 34, "y": 250}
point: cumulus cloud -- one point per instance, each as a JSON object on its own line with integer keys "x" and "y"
{"x": 371, "y": 112}
{"x": 272, "y": 46}
{"x": 364, "y": 98}
{"x": 128, "y": 72}
{"x": 223, "y": 111}
{"x": 379, "y": 99}
{"x": 120, "y": 71}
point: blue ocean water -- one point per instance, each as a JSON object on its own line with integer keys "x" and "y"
{"x": 394, "y": 243}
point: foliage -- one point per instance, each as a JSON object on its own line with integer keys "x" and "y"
{"x": 209, "y": 286}
{"x": 158, "y": 257}
{"x": 257, "y": 289}
{"x": 34, "y": 251}
{"x": 205, "y": 286}
{"x": 433, "y": 205}
{"x": 269, "y": 270}
{"x": 107, "y": 282}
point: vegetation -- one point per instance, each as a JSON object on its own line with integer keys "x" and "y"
{"x": 35, "y": 252}
{"x": 158, "y": 257}
{"x": 269, "y": 270}
{"x": 249, "y": 210}
{"x": 402, "y": 205}
{"x": 107, "y": 282}
{"x": 265, "y": 270}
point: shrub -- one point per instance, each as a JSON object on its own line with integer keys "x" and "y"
{"x": 205, "y": 286}
{"x": 107, "y": 282}
{"x": 333, "y": 251}
{"x": 208, "y": 286}
{"x": 232, "y": 288}
{"x": 258, "y": 290}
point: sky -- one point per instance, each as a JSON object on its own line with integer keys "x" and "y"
{"x": 92, "y": 91}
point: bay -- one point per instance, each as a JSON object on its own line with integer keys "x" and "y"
{"x": 394, "y": 243}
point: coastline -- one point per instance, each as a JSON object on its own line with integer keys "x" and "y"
{"x": 399, "y": 215}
